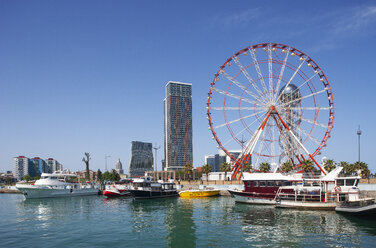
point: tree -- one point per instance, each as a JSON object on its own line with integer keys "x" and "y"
{"x": 264, "y": 167}
{"x": 287, "y": 166}
{"x": 329, "y": 165}
{"x": 99, "y": 175}
{"x": 307, "y": 165}
{"x": 206, "y": 169}
{"x": 225, "y": 167}
{"x": 86, "y": 161}
{"x": 115, "y": 175}
{"x": 363, "y": 167}
{"x": 188, "y": 168}
{"x": 107, "y": 176}
{"x": 347, "y": 168}
{"x": 27, "y": 178}
{"x": 246, "y": 167}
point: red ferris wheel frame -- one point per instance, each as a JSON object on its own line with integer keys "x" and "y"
{"x": 293, "y": 52}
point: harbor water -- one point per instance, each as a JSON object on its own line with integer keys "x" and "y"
{"x": 94, "y": 221}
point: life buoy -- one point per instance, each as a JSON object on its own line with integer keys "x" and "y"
{"x": 337, "y": 188}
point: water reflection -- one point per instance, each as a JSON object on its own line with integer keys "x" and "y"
{"x": 285, "y": 227}
{"x": 43, "y": 210}
{"x": 180, "y": 225}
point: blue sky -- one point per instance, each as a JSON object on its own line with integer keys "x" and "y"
{"x": 89, "y": 76}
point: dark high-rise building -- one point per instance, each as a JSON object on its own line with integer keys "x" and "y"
{"x": 178, "y": 126}
{"x": 141, "y": 158}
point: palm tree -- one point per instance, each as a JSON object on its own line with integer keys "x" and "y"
{"x": 225, "y": 167}
{"x": 206, "y": 169}
{"x": 86, "y": 161}
{"x": 188, "y": 168}
{"x": 307, "y": 165}
{"x": 363, "y": 167}
{"x": 329, "y": 165}
{"x": 287, "y": 166}
{"x": 264, "y": 167}
{"x": 347, "y": 168}
{"x": 246, "y": 167}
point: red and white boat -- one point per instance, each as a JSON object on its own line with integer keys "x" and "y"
{"x": 261, "y": 188}
{"x": 116, "y": 190}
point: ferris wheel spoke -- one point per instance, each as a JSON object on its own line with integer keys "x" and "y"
{"x": 303, "y": 97}
{"x": 237, "y": 108}
{"x": 235, "y": 96}
{"x": 237, "y": 83}
{"x": 258, "y": 70}
{"x": 311, "y": 108}
{"x": 270, "y": 67}
{"x": 262, "y": 141}
{"x": 237, "y": 135}
{"x": 241, "y": 118}
{"x": 314, "y": 123}
{"x": 308, "y": 135}
{"x": 305, "y": 82}
{"x": 281, "y": 73}
{"x": 288, "y": 83}
{"x": 251, "y": 81}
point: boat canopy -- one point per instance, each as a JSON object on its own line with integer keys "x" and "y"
{"x": 271, "y": 176}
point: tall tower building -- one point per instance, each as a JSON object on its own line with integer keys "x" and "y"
{"x": 178, "y": 126}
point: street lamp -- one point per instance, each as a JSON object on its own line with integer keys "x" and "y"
{"x": 105, "y": 161}
{"x": 359, "y": 132}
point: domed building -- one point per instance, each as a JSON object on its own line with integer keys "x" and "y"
{"x": 119, "y": 167}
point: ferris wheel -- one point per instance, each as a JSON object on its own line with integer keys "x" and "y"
{"x": 272, "y": 103}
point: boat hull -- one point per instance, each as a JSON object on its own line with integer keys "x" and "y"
{"x": 307, "y": 205}
{"x": 251, "y": 198}
{"x": 34, "y": 193}
{"x": 112, "y": 193}
{"x": 363, "y": 211}
{"x": 198, "y": 193}
{"x": 147, "y": 194}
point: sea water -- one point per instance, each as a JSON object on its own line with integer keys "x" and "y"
{"x": 94, "y": 221}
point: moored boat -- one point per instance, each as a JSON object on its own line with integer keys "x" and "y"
{"x": 56, "y": 185}
{"x": 116, "y": 190}
{"x": 365, "y": 207}
{"x": 261, "y": 188}
{"x": 317, "y": 194}
{"x": 193, "y": 193}
{"x": 145, "y": 188}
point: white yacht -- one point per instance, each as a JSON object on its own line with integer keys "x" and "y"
{"x": 56, "y": 185}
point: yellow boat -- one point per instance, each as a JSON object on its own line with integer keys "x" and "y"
{"x": 192, "y": 193}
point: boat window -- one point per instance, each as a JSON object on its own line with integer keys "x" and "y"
{"x": 255, "y": 183}
{"x": 270, "y": 183}
{"x": 248, "y": 184}
{"x": 278, "y": 183}
{"x": 340, "y": 182}
{"x": 350, "y": 182}
{"x": 53, "y": 177}
{"x": 287, "y": 183}
{"x": 262, "y": 184}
